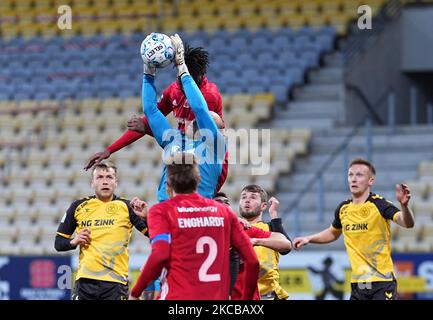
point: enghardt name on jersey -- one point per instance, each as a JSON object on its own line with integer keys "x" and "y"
{"x": 200, "y": 222}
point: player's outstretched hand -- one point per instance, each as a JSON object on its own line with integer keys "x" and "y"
{"x": 274, "y": 205}
{"x": 96, "y": 158}
{"x": 403, "y": 195}
{"x": 298, "y": 243}
{"x": 139, "y": 207}
{"x": 131, "y": 297}
{"x": 135, "y": 123}
{"x": 245, "y": 224}
{"x": 149, "y": 70}
{"x": 82, "y": 238}
{"x": 179, "y": 57}
{"x": 254, "y": 241}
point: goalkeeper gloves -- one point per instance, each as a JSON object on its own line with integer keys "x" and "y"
{"x": 149, "y": 70}
{"x": 179, "y": 58}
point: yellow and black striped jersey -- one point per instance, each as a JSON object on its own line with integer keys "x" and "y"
{"x": 269, "y": 276}
{"x": 367, "y": 235}
{"x": 110, "y": 223}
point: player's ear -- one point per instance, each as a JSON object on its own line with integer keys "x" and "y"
{"x": 91, "y": 182}
{"x": 372, "y": 180}
{"x": 263, "y": 206}
{"x": 169, "y": 189}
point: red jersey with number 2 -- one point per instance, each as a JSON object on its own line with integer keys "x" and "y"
{"x": 202, "y": 232}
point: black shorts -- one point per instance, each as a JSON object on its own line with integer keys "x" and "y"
{"x": 381, "y": 290}
{"x": 91, "y": 289}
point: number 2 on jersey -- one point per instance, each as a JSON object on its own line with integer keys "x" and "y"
{"x": 213, "y": 250}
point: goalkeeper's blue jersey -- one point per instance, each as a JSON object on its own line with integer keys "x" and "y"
{"x": 210, "y": 150}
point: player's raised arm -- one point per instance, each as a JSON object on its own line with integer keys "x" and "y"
{"x": 157, "y": 122}
{"x": 192, "y": 92}
{"x": 405, "y": 217}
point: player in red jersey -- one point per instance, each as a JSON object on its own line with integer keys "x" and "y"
{"x": 191, "y": 238}
{"x": 259, "y": 237}
{"x": 173, "y": 99}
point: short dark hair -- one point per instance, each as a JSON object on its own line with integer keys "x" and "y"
{"x": 219, "y": 195}
{"x": 105, "y": 165}
{"x": 182, "y": 172}
{"x": 257, "y": 189}
{"x": 197, "y": 61}
{"x": 364, "y": 162}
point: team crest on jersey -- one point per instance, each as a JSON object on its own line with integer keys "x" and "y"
{"x": 186, "y": 105}
{"x": 111, "y": 208}
{"x": 175, "y": 103}
{"x": 364, "y": 213}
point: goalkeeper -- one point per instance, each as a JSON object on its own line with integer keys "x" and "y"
{"x": 202, "y": 136}
{"x": 173, "y": 99}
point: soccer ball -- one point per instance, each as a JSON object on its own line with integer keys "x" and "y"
{"x": 157, "y": 50}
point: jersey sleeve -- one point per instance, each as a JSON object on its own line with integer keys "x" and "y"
{"x": 165, "y": 103}
{"x": 139, "y": 223}
{"x": 158, "y": 221}
{"x": 254, "y": 232}
{"x": 198, "y": 105}
{"x": 242, "y": 244}
{"x": 386, "y": 208}
{"x": 276, "y": 225}
{"x": 337, "y": 222}
{"x": 161, "y": 129}
{"x": 68, "y": 224}
{"x": 214, "y": 101}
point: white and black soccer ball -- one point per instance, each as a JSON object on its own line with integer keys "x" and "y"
{"x": 157, "y": 50}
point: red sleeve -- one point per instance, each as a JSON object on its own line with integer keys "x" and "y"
{"x": 224, "y": 172}
{"x": 127, "y": 138}
{"x": 147, "y": 126}
{"x": 165, "y": 104}
{"x": 158, "y": 221}
{"x": 158, "y": 224}
{"x": 214, "y": 101}
{"x": 242, "y": 244}
{"x": 254, "y": 232}
{"x": 155, "y": 263}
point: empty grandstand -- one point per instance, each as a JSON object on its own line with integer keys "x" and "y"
{"x": 327, "y": 90}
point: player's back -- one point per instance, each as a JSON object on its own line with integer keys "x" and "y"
{"x": 200, "y": 231}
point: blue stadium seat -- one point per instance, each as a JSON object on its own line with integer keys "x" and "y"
{"x": 311, "y": 58}
{"x": 261, "y": 42}
{"x": 200, "y": 37}
{"x": 253, "y": 89}
{"x": 281, "y": 43}
{"x": 83, "y": 94}
{"x": 305, "y": 31}
{"x": 245, "y": 60}
{"x": 264, "y": 32}
{"x": 285, "y": 32}
{"x": 242, "y": 34}
{"x": 41, "y": 96}
{"x": 4, "y": 95}
{"x": 280, "y": 93}
{"x": 222, "y": 34}
{"x": 218, "y": 46}
{"x": 325, "y": 42}
{"x": 19, "y": 96}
